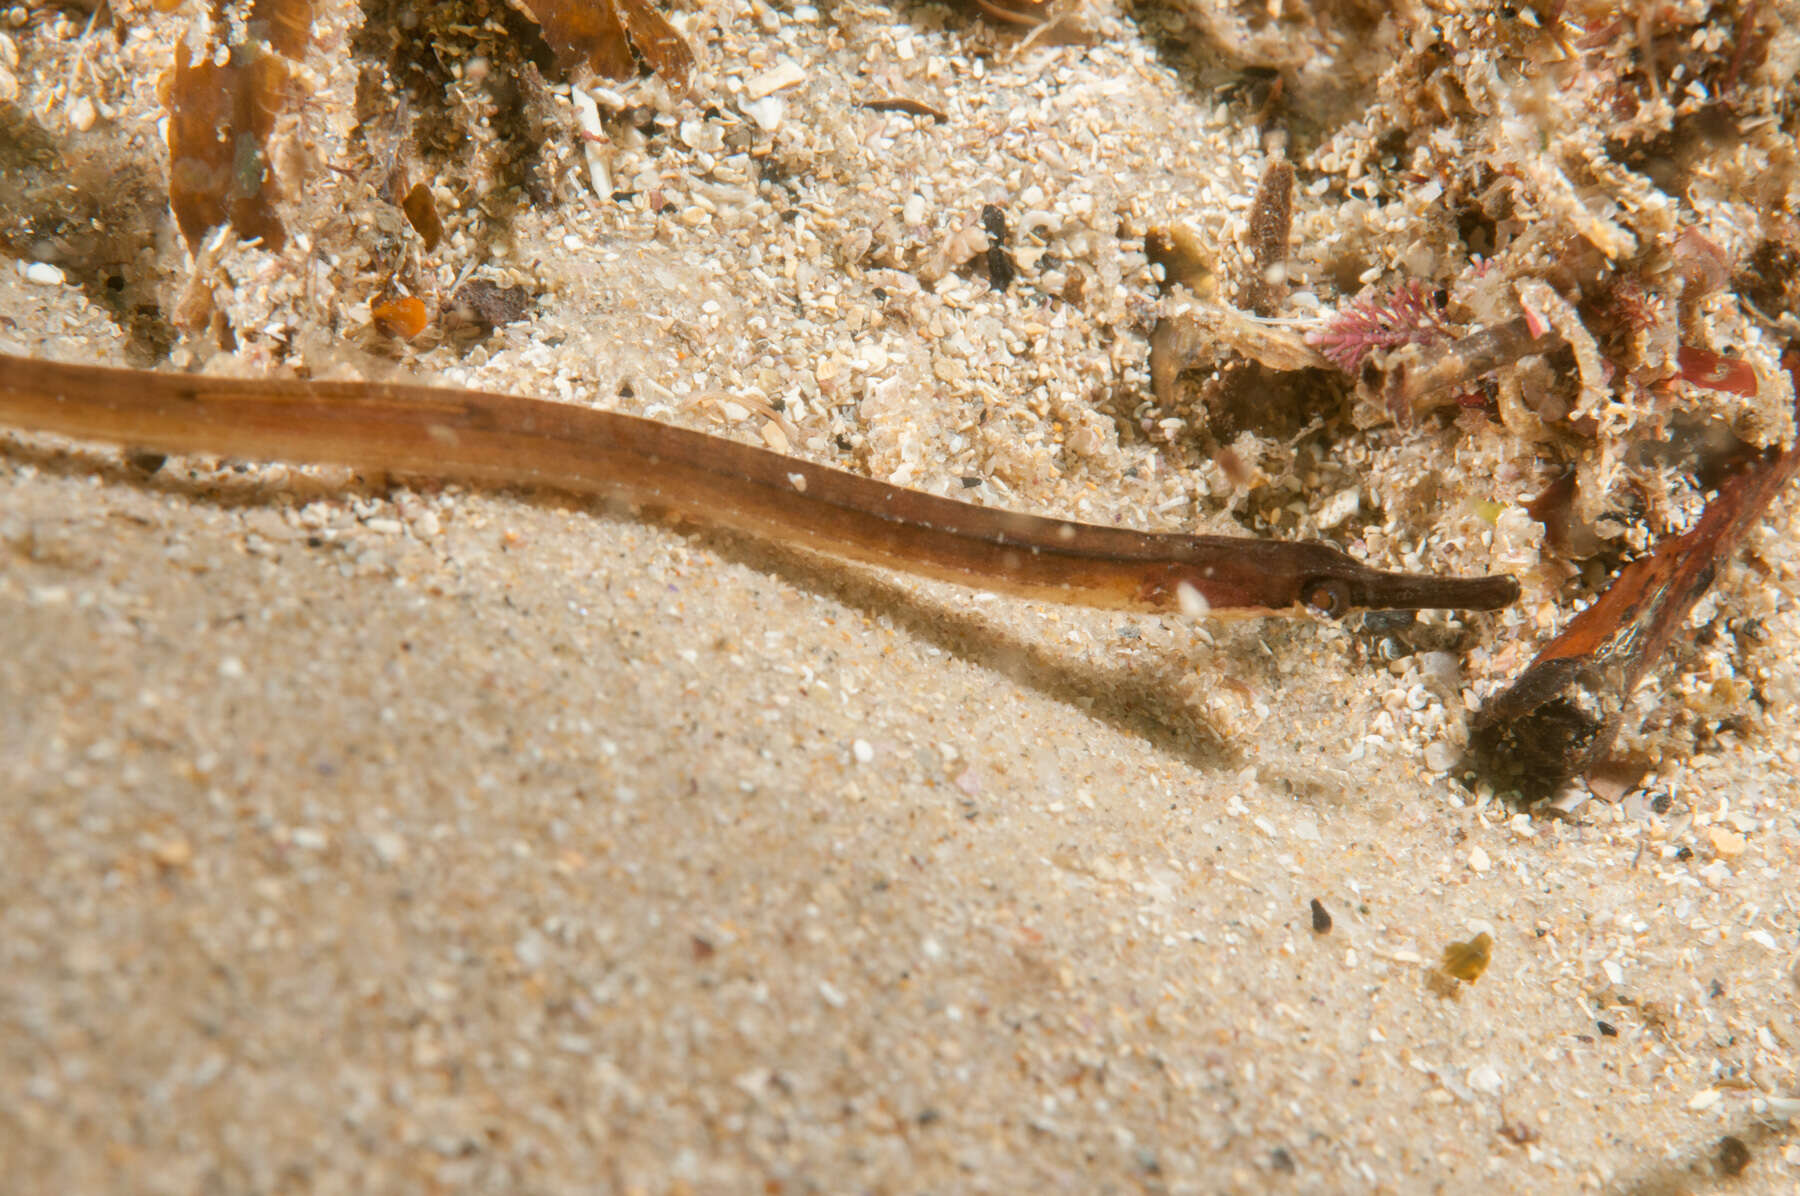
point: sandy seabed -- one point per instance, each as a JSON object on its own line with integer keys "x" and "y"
{"x": 365, "y": 834}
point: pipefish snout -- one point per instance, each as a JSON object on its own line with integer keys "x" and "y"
{"x": 488, "y": 439}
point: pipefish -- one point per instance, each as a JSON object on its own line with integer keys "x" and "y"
{"x": 496, "y": 440}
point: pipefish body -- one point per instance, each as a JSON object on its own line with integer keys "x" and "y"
{"x": 496, "y": 440}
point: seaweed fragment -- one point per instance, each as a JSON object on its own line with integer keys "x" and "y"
{"x": 285, "y": 25}
{"x": 1716, "y": 371}
{"x": 1410, "y": 314}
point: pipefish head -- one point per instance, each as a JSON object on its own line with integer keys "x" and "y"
{"x": 1282, "y": 576}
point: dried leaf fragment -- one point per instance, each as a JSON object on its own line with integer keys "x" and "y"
{"x": 220, "y": 116}
{"x": 585, "y": 32}
{"x": 286, "y": 25}
{"x": 663, "y": 50}
{"x": 604, "y": 33}
{"x": 1560, "y": 716}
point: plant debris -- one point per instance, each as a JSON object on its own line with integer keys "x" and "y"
{"x": 1560, "y": 717}
{"x": 999, "y": 258}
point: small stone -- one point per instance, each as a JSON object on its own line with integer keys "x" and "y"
{"x": 587, "y": 115}
{"x": 1192, "y": 602}
{"x": 82, "y": 114}
{"x": 1339, "y": 507}
{"x": 489, "y": 305}
{"x": 1705, "y": 1100}
{"x": 173, "y": 853}
{"x": 389, "y": 848}
{"x": 1479, "y": 861}
{"x": 531, "y": 950}
{"x": 766, "y": 112}
{"x": 1440, "y": 670}
{"x": 308, "y": 838}
{"x": 1726, "y": 843}
{"x": 86, "y": 957}
{"x": 1439, "y": 756}
{"x": 1321, "y": 917}
{"x": 1486, "y": 1078}
{"x": 863, "y": 751}
{"x": 43, "y": 274}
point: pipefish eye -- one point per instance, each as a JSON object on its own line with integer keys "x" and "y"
{"x": 1330, "y": 596}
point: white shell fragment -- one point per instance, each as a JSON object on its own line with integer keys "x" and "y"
{"x": 43, "y": 274}
{"x": 773, "y": 80}
{"x": 587, "y": 116}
